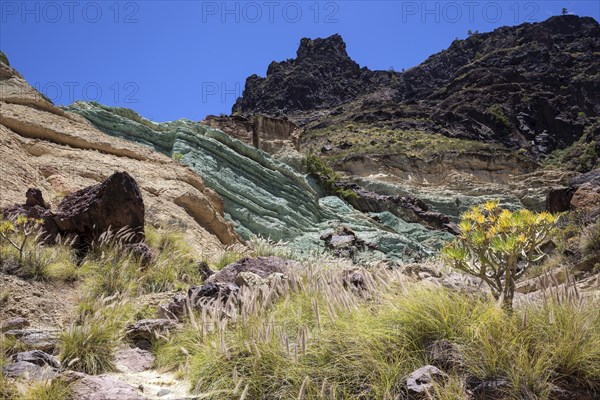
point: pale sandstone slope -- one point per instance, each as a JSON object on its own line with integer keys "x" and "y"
{"x": 59, "y": 152}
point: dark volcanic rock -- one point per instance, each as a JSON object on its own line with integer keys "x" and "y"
{"x": 410, "y": 209}
{"x": 224, "y": 283}
{"x": 344, "y": 242}
{"x": 27, "y": 370}
{"x": 45, "y": 340}
{"x": 523, "y": 86}
{"x": 321, "y": 76}
{"x": 261, "y": 266}
{"x": 212, "y": 291}
{"x": 559, "y": 200}
{"x": 37, "y": 357}
{"x": 143, "y": 253}
{"x": 35, "y": 207}
{"x": 146, "y": 331}
{"x": 112, "y": 205}
{"x": 14, "y": 323}
{"x": 175, "y": 309}
{"x": 489, "y": 389}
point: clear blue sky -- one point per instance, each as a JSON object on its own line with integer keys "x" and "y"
{"x": 176, "y": 59}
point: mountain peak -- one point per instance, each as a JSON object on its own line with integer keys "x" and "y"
{"x": 332, "y": 46}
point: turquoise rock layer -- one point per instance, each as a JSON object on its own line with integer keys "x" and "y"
{"x": 261, "y": 195}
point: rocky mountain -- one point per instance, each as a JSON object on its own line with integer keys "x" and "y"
{"x": 533, "y": 86}
{"x": 321, "y": 76}
{"x": 60, "y": 152}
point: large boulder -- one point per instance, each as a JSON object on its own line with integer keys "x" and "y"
{"x": 225, "y": 284}
{"x": 41, "y": 339}
{"x": 582, "y": 194}
{"x": 29, "y": 371}
{"x": 113, "y": 205}
{"x": 133, "y": 360}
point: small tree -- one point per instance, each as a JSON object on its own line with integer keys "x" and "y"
{"x": 17, "y": 233}
{"x": 178, "y": 157}
{"x": 498, "y": 246}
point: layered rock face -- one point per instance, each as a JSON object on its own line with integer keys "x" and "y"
{"x": 276, "y": 136}
{"x": 467, "y": 125}
{"x": 262, "y": 195}
{"x": 60, "y": 152}
{"x": 530, "y": 85}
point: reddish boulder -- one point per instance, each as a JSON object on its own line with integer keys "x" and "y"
{"x": 583, "y": 194}
{"x": 111, "y": 205}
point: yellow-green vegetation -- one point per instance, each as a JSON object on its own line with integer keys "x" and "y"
{"x": 110, "y": 269}
{"x": 89, "y": 344}
{"x": 365, "y": 139}
{"x": 498, "y": 245}
{"x": 22, "y": 254}
{"x": 7, "y": 389}
{"x": 327, "y": 177}
{"x": 54, "y": 390}
{"x": 177, "y": 157}
{"x": 319, "y": 339}
{"x": 261, "y": 247}
{"x": 112, "y": 275}
{"x": 228, "y": 257}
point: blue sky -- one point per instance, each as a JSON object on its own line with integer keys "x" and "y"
{"x": 175, "y": 59}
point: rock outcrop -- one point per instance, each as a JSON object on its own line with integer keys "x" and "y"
{"x": 261, "y": 266}
{"x": 261, "y": 195}
{"x": 408, "y": 208}
{"x": 111, "y": 206}
{"x": 321, "y": 76}
{"x": 276, "y": 136}
{"x": 60, "y": 152}
{"x": 582, "y": 195}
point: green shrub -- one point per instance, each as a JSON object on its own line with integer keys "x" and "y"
{"x": 498, "y": 246}
{"x": 89, "y": 346}
{"x": 111, "y": 269}
{"x": 178, "y": 157}
{"x": 327, "y": 177}
{"x": 54, "y": 390}
{"x": 497, "y": 113}
{"x": 321, "y": 341}
{"x": 227, "y": 258}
